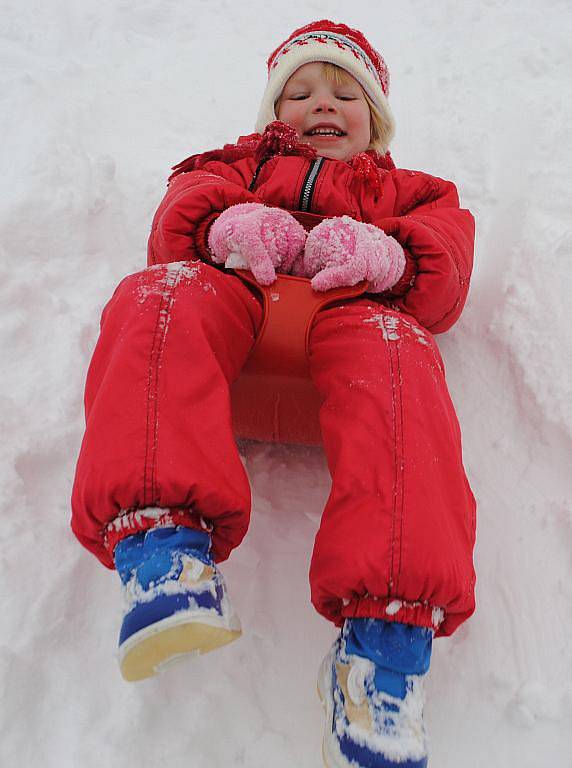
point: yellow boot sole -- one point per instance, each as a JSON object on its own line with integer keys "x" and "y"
{"x": 152, "y": 650}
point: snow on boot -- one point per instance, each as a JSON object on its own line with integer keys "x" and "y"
{"x": 175, "y": 600}
{"x": 374, "y": 715}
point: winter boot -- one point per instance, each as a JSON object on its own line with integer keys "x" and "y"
{"x": 371, "y": 686}
{"x": 175, "y": 600}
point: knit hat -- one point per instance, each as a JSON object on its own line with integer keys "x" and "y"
{"x": 334, "y": 43}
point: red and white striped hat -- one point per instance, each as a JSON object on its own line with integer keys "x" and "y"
{"x": 335, "y": 43}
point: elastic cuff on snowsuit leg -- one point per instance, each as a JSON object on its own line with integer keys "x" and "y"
{"x": 391, "y": 609}
{"x": 132, "y": 521}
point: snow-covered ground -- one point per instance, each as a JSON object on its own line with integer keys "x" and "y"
{"x": 97, "y": 100}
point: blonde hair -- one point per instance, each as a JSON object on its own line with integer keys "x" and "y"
{"x": 381, "y": 131}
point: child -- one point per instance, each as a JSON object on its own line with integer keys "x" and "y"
{"x": 160, "y": 491}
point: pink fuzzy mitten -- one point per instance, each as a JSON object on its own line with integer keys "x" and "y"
{"x": 253, "y": 236}
{"x": 342, "y": 251}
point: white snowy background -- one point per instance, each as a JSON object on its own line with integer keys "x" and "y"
{"x": 97, "y": 100}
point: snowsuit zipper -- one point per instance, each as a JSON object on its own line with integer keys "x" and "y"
{"x": 257, "y": 171}
{"x": 310, "y": 184}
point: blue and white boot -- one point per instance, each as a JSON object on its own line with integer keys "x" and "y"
{"x": 374, "y": 707}
{"x": 175, "y": 600}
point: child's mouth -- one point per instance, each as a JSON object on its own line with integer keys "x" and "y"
{"x": 326, "y": 136}
{"x": 325, "y": 132}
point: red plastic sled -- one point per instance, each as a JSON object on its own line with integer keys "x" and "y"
{"x": 274, "y": 399}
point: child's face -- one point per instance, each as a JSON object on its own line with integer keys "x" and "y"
{"x": 309, "y": 101}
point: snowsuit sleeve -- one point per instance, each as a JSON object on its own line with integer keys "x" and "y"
{"x": 438, "y": 238}
{"x": 192, "y": 202}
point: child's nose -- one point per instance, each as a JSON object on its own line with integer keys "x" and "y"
{"x": 324, "y": 104}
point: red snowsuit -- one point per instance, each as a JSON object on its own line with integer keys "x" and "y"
{"x": 396, "y": 536}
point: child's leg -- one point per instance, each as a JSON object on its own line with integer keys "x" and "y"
{"x": 160, "y": 489}
{"x": 393, "y": 556}
{"x": 159, "y": 435}
{"x": 397, "y": 533}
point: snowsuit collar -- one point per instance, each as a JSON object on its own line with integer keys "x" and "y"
{"x": 281, "y": 139}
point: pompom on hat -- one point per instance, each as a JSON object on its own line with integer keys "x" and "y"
{"x": 334, "y": 43}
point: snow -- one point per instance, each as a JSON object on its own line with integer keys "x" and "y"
{"x": 97, "y": 100}
{"x": 393, "y": 607}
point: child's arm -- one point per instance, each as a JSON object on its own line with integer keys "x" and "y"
{"x": 438, "y": 239}
{"x": 191, "y": 204}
